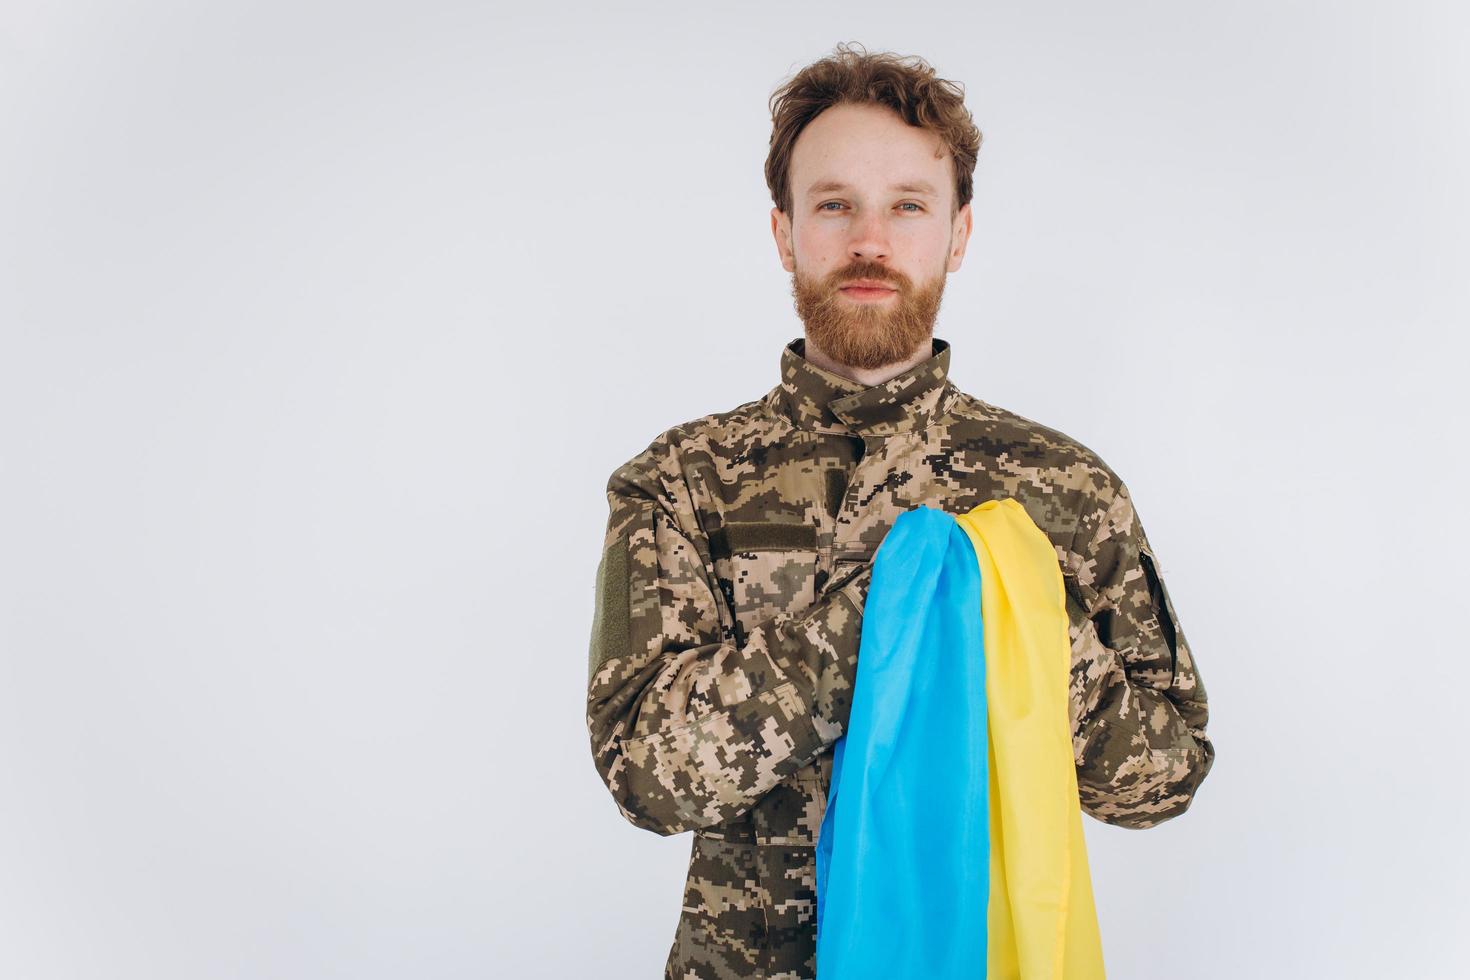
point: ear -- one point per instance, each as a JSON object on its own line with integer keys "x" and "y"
{"x": 781, "y": 231}
{"x": 960, "y": 237}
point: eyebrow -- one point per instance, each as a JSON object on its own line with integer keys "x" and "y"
{"x": 908, "y": 187}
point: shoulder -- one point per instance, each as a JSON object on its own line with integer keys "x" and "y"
{"x": 662, "y": 465}
{"x": 1066, "y": 485}
{"x": 979, "y": 426}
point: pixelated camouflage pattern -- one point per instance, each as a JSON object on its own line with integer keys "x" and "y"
{"x": 720, "y": 675}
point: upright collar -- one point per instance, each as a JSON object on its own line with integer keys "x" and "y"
{"x": 814, "y": 398}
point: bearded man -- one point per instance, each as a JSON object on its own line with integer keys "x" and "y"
{"x": 737, "y": 556}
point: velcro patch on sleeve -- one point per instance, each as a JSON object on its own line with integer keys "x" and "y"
{"x": 610, "y": 620}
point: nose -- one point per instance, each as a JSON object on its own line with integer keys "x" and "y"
{"x": 869, "y": 238}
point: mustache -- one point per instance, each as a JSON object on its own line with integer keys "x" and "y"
{"x": 877, "y": 273}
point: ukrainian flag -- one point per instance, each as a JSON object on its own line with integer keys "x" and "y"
{"x": 952, "y": 843}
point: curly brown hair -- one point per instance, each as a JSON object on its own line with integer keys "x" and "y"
{"x": 907, "y": 85}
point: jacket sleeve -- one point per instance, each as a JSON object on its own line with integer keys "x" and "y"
{"x": 1139, "y": 703}
{"x": 687, "y": 728}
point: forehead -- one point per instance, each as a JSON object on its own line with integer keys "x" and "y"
{"x": 866, "y": 146}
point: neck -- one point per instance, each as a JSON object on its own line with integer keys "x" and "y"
{"x": 868, "y": 377}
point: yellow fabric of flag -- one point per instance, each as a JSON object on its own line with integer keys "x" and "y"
{"x": 1042, "y": 923}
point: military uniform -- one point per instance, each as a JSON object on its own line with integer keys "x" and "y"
{"x": 728, "y": 613}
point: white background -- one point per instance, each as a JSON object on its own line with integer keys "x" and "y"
{"x": 325, "y": 323}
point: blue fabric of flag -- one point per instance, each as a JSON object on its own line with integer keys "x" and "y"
{"x": 902, "y": 856}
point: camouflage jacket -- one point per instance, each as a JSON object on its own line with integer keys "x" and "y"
{"x": 728, "y": 613}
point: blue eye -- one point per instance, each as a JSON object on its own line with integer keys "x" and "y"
{"x": 906, "y": 204}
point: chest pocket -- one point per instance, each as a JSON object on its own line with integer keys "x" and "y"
{"x": 764, "y": 568}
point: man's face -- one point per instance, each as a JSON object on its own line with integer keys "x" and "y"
{"x": 870, "y": 202}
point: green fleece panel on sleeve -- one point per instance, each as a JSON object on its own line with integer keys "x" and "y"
{"x": 610, "y": 618}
